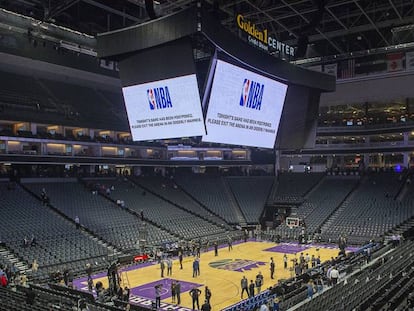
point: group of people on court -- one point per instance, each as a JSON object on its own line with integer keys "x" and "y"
{"x": 250, "y": 288}
{"x": 175, "y": 293}
{"x": 195, "y": 293}
{"x": 166, "y": 263}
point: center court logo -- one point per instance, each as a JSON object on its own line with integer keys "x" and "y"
{"x": 238, "y": 265}
{"x": 252, "y": 94}
{"x": 159, "y": 98}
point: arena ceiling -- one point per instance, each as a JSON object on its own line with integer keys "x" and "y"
{"x": 328, "y": 27}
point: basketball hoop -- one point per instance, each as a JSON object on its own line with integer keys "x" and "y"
{"x": 292, "y": 222}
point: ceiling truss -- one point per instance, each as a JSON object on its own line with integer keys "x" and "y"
{"x": 345, "y": 26}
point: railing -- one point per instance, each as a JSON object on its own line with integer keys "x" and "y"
{"x": 357, "y": 128}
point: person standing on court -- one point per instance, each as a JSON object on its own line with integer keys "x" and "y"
{"x": 272, "y": 268}
{"x": 195, "y": 294}
{"x": 173, "y": 294}
{"x": 196, "y": 267}
{"x": 178, "y": 291}
{"x": 259, "y": 282}
{"x": 157, "y": 296}
{"x": 208, "y": 294}
{"x": 215, "y": 248}
{"x": 285, "y": 261}
{"x": 180, "y": 259}
{"x": 230, "y": 243}
{"x": 169, "y": 266}
{"x": 244, "y": 286}
{"x": 162, "y": 266}
{"x": 251, "y": 289}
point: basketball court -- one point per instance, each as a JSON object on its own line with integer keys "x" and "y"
{"x": 222, "y": 273}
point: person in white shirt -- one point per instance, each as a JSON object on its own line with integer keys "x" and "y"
{"x": 334, "y": 275}
{"x": 264, "y": 307}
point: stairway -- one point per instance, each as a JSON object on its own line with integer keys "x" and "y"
{"x": 168, "y": 200}
{"x": 10, "y": 257}
{"x": 273, "y": 191}
{"x": 314, "y": 188}
{"x": 331, "y": 218}
{"x": 234, "y": 205}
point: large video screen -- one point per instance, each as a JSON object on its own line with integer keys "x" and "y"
{"x": 244, "y": 107}
{"x": 163, "y": 109}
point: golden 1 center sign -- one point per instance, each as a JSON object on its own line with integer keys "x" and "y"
{"x": 261, "y": 38}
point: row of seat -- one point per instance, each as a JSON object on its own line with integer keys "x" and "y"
{"x": 158, "y": 210}
{"x": 356, "y": 292}
{"x": 52, "y": 240}
{"x": 251, "y": 194}
{"x": 372, "y": 209}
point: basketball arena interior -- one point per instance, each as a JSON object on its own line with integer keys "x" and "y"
{"x": 206, "y": 155}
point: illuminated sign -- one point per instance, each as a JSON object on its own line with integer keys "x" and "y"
{"x": 164, "y": 109}
{"x": 261, "y": 39}
{"x": 244, "y": 107}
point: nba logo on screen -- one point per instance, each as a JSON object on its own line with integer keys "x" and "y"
{"x": 252, "y": 94}
{"x": 159, "y": 98}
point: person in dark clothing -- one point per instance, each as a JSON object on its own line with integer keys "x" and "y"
{"x": 126, "y": 293}
{"x": 33, "y": 241}
{"x": 215, "y": 249}
{"x": 244, "y": 287}
{"x": 90, "y": 285}
{"x": 180, "y": 259}
{"x": 178, "y": 291}
{"x": 196, "y": 268}
{"x": 195, "y": 294}
{"x": 251, "y": 289}
{"x": 208, "y": 294}
{"x": 169, "y": 266}
{"x": 43, "y": 197}
{"x": 158, "y": 296}
{"x": 272, "y": 267}
{"x": 162, "y": 267}
{"x": 230, "y": 243}
{"x": 30, "y": 296}
{"x": 66, "y": 276}
{"x": 26, "y": 242}
{"x": 70, "y": 277}
{"x": 259, "y": 282}
{"x": 88, "y": 270}
{"x": 173, "y": 293}
{"x": 206, "y": 306}
{"x": 120, "y": 293}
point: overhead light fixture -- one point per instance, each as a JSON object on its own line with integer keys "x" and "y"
{"x": 77, "y": 48}
{"x": 402, "y": 28}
